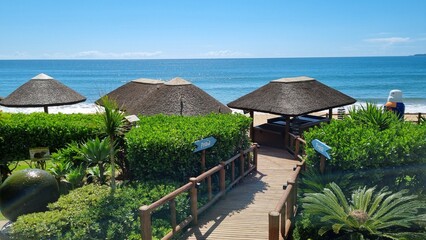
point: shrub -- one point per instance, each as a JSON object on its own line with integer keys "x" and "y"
{"x": 388, "y": 157}
{"x": 368, "y": 215}
{"x": 162, "y": 146}
{"x": 91, "y": 212}
{"x": 19, "y": 132}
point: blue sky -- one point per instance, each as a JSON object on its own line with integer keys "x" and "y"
{"x": 138, "y": 29}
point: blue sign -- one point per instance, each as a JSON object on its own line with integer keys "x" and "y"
{"x": 321, "y": 147}
{"x": 204, "y": 143}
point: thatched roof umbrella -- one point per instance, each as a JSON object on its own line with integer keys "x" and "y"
{"x": 42, "y": 91}
{"x": 131, "y": 96}
{"x": 292, "y": 97}
{"x": 180, "y": 97}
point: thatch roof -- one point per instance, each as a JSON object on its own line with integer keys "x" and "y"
{"x": 175, "y": 97}
{"x": 292, "y": 97}
{"x": 131, "y": 96}
{"x": 42, "y": 91}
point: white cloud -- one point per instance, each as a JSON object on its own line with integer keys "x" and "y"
{"x": 389, "y": 40}
{"x": 111, "y": 55}
{"x": 224, "y": 54}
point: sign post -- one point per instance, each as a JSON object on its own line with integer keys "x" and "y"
{"x": 202, "y": 145}
{"x": 323, "y": 149}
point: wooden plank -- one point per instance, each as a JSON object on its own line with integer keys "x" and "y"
{"x": 243, "y": 213}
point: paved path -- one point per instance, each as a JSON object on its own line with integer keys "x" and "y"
{"x": 243, "y": 213}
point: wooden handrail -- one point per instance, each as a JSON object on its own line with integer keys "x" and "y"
{"x": 145, "y": 211}
{"x": 281, "y": 218}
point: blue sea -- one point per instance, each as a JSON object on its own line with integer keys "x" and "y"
{"x": 363, "y": 78}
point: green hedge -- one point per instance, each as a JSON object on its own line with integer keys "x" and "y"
{"x": 162, "y": 146}
{"x": 385, "y": 157}
{"x": 91, "y": 212}
{"x": 19, "y": 132}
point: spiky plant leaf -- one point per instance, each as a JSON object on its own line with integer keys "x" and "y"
{"x": 367, "y": 214}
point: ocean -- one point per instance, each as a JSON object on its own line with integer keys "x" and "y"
{"x": 367, "y": 79}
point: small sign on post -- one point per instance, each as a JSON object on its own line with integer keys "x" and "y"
{"x": 323, "y": 149}
{"x": 39, "y": 155}
{"x": 202, "y": 145}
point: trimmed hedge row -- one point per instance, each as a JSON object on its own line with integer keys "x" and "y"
{"x": 91, "y": 212}
{"x": 394, "y": 157}
{"x": 162, "y": 146}
{"x": 19, "y": 132}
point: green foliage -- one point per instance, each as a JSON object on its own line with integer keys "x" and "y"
{"x": 368, "y": 215}
{"x": 162, "y": 146}
{"x": 391, "y": 157}
{"x": 374, "y": 116}
{"x": 113, "y": 126}
{"x": 19, "y": 132}
{"x": 96, "y": 152}
{"x": 92, "y": 212}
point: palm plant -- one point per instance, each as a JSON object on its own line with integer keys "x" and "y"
{"x": 76, "y": 175}
{"x": 371, "y": 114}
{"x": 381, "y": 215}
{"x": 113, "y": 120}
{"x": 96, "y": 152}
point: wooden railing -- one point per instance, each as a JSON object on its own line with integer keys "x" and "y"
{"x": 245, "y": 160}
{"x": 281, "y": 219}
{"x": 408, "y": 117}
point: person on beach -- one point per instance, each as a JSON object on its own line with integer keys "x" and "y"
{"x": 395, "y": 103}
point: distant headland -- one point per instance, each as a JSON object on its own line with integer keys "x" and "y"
{"x": 420, "y": 55}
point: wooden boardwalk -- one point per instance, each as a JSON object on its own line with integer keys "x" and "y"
{"x": 243, "y": 213}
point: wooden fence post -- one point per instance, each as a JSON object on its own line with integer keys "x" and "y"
{"x": 255, "y": 157}
{"x": 322, "y": 164}
{"x": 222, "y": 178}
{"x": 297, "y": 148}
{"x": 194, "y": 201}
{"x": 145, "y": 218}
{"x": 242, "y": 164}
{"x": 173, "y": 214}
{"x": 274, "y": 225}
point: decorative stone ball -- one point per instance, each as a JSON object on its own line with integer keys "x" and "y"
{"x": 27, "y": 191}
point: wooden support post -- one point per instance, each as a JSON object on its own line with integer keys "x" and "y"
{"x": 330, "y": 113}
{"x": 241, "y": 164}
{"x": 172, "y": 205}
{"x": 274, "y": 227}
{"x": 222, "y": 178}
{"x": 255, "y": 157}
{"x": 252, "y": 125}
{"x": 46, "y": 109}
{"x": 419, "y": 118}
{"x": 232, "y": 171}
{"x": 296, "y": 148}
{"x": 286, "y": 132}
{"x": 209, "y": 187}
{"x": 203, "y": 161}
{"x": 322, "y": 164}
{"x": 145, "y": 219}
{"x": 194, "y": 201}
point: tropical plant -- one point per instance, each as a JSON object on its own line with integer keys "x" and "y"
{"x": 96, "y": 152}
{"x": 113, "y": 126}
{"x": 312, "y": 181}
{"x": 371, "y": 114}
{"x": 368, "y": 215}
{"x": 76, "y": 176}
{"x": 60, "y": 169}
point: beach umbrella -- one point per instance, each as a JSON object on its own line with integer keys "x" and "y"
{"x": 292, "y": 97}
{"x": 42, "y": 91}
{"x": 180, "y": 97}
{"x": 175, "y": 97}
{"x": 131, "y": 96}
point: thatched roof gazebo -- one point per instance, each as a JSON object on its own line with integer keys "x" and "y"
{"x": 42, "y": 91}
{"x": 292, "y": 97}
{"x": 131, "y": 96}
{"x": 175, "y": 97}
